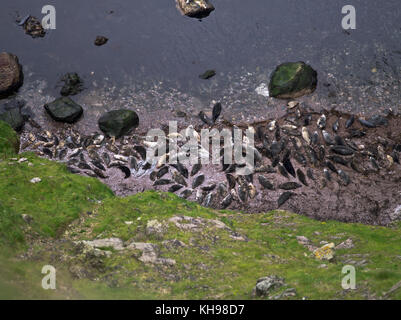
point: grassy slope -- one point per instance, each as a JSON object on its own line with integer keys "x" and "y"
{"x": 213, "y": 265}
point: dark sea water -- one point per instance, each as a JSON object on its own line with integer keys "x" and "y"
{"x": 155, "y": 55}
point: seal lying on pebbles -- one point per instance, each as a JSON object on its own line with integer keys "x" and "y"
{"x": 353, "y": 176}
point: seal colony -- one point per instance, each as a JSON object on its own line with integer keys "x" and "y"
{"x": 329, "y": 165}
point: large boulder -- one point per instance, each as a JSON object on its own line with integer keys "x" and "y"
{"x": 195, "y": 8}
{"x": 117, "y": 123}
{"x": 11, "y": 76}
{"x": 292, "y": 79}
{"x": 10, "y": 112}
{"x": 64, "y": 110}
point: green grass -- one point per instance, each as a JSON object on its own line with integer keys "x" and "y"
{"x": 9, "y": 142}
{"x": 211, "y": 266}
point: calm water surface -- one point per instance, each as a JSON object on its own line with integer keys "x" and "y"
{"x": 154, "y": 55}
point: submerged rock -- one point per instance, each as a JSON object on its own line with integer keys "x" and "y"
{"x": 117, "y": 123}
{"x": 207, "y": 74}
{"x": 72, "y": 84}
{"x": 11, "y": 76}
{"x": 33, "y": 27}
{"x": 291, "y": 80}
{"x": 64, "y": 110}
{"x": 100, "y": 40}
{"x": 195, "y": 8}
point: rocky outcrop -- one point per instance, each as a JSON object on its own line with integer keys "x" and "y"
{"x": 64, "y": 110}
{"x": 195, "y": 8}
{"x": 117, "y": 123}
{"x": 11, "y": 76}
{"x": 291, "y": 80}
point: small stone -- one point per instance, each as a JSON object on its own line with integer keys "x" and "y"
{"x": 154, "y": 227}
{"x": 207, "y": 74}
{"x": 115, "y": 243}
{"x": 100, "y": 40}
{"x": 292, "y": 104}
{"x": 195, "y": 9}
{"x": 325, "y": 253}
{"x": 27, "y": 218}
{"x": 262, "y": 90}
{"x": 347, "y": 244}
{"x": 266, "y": 284}
{"x": 35, "y": 180}
{"x": 33, "y": 27}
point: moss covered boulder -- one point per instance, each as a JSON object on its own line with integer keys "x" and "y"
{"x": 64, "y": 110}
{"x": 9, "y": 142}
{"x": 10, "y": 112}
{"x": 11, "y": 76}
{"x": 195, "y": 8}
{"x": 291, "y": 80}
{"x": 117, "y": 123}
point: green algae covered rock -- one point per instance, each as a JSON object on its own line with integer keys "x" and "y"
{"x": 117, "y": 123}
{"x": 64, "y": 110}
{"x": 291, "y": 80}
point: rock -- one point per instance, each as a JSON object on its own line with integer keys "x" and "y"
{"x": 306, "y": 243}
{"x": 149, "y": 254}
{"x": 292, "y": 104}
{"x": 34, "y": 28}
{"x": 100, "y": 40}
{"x": 325, "y": 253}
{"x": 64, "y": 110}
{"x": 347, "y": 244}
{"x": 154, "y": 227}
{"x": 117, "y": 123}
{"x": 262, "y": 90}
{"x": 303, "y": 240}
{"x": 27, "y": 218}
{"x": 266, "y": 284}
{"x": 290, "y": 292}
{"x": 291, "y": 80}
{"x": 115, "y": 243}
{"x": 173, "y": 244}
{"x": 10, "y": 112}
{"x": 72, "y": 84}
{"x": 396, "y": 214}
{"x": 207, "y": 74}
{"x": 11, "y": 76}
{"x": 195, "y": 8}
{"x": 35, "y": 180}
